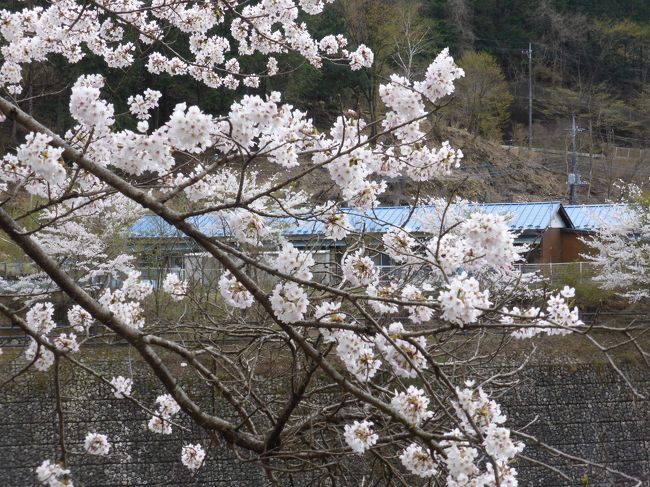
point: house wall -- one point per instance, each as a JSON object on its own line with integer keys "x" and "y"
{"x": 557, "y": 245}
{"x": 573, "y": 247}
{"x": 552, "y": 246}
{"x": 202, "y": 267}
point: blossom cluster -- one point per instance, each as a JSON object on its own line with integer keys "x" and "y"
{"x": 39, "y": 355}
{"x": 474, "y": 408}
{"x": 472, "y": 241}
{"x": 88, "y": 108}
{"x": 560, "y": 313}
{"x": 329, "y": 312}
{"x": 418, "y": 313}
{"x": 404, "y": 357}
{"x": 419, "y": 461}
{"x": 355, "y": 351}
{"x": 68, "y": 29}
{"x": 293, "y": 262}
{"x": 167, "y": 409}
{"x": 289, "y": 302}
{"x": 79, "y": 318}
{"x": 398, "y": 244}
{"x": 173, "y": 286}
{"x": 37, "y": 154}
{"x": 125, "y": 303}
{"x": 66, "y": 342}
{"x": 248, "y": 227}
{"x": 480, "y": 414}
{"x": 383, "y": 291}
{"x": 233, "y": 292}
{"x": 140, "y": 105}
{"x": 463, "y": 301}
{"x": 359, "y": 269}
{"x": 39, "y": 319}
{"x": 559, "y": 318}
{"x": 360, "y": 436}
{"x": 53, "y": 475}
{"x": 412, "y": 404}
{"x": 336, "y": 225}
{"x": 121, "y": 386}
{"x": 96, "y": 444}
{"x": 192, "y": 456}
{"x": 480, "y": 419}
{"x": 357, "y": 354}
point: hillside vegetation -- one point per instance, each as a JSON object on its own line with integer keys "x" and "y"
{"x": 588, "y": 59}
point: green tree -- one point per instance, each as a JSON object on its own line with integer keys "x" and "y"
{"x": 375, "y": 24}
{"x": 482, "y": 101}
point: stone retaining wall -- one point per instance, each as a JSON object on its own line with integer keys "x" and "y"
{"x": 584, "y": 410}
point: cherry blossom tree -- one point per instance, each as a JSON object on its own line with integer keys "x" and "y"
{"x": 374, "y": 364}
{"x": 620, "y": 247}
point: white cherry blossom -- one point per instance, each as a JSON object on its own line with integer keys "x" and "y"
{"x": 398, "y": 244}
{"x": 412, "y": 404}
{"x": 360, "y": 436}
{"x": 174, "y": 286}
{"x": 79, "y": 318}
{"x": 53, "y": 475}
{"x": 294, "y": 262}
{"x": 40, "y": 356}
{"x": 419, "y": 461}
{"x": 463, "y": 301}
{"x": 66, "y": 342}
{"x": 96, "y": 444}
{"x": 234, "y": 293}
{"x": 337, "y": 226}
{"x": 289, "y": 302}
{"x": 122, "y": 386}
{"x": 192, "y": 456}
{"x": 359, "y": 270}
{"x": 39, "y": 318}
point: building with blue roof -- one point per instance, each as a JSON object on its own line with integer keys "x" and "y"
{"x": 524, "y": 217}
{"x": 540, "y": 225}
{"x": 589, "y": 218}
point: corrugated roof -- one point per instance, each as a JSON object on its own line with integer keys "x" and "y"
{"x": 524, "y": 216}
{"x": 587, "y": 218}
{"x": 528, "y": 216}
{"x": 377, "y": 220}
{"x": 153, "y": 226}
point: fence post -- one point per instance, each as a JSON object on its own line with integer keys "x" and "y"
{"x": 581, "y": 271}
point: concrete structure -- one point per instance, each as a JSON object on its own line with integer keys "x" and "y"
{"x": 584, "y": 409}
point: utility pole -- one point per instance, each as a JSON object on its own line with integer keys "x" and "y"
{"x": 574, "y": 177}
{"x": 530, "y": 95}
{"x": 529, "y": 53}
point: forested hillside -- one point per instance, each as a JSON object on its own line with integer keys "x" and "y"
{"x": 588, "y": 59}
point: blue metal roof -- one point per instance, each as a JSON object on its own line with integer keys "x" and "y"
{"x": 377, "y": 220}
{"x": 587, "y": 218}
{"x": 528, "y": 216}
{"x": 524, "y": 216}
{"x": 153, "y": 226}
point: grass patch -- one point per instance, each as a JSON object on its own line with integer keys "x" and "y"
{"x": 589, "y": 293}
